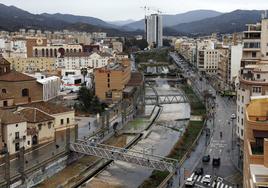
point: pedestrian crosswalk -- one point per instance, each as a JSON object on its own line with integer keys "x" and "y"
{"x": 198, "y": 179}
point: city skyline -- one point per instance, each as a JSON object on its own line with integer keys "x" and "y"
{"x": 123, "y": 10}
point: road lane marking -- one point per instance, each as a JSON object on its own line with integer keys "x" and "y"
{"x": 226, "y": 186}
{"x": 222, "y": 185}
{"x": 192, "y": 175}
{"x": 199, "y": 178}
{"x": 213, "y": 184}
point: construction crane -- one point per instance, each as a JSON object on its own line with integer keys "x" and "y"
{"x": 152, "y": 9}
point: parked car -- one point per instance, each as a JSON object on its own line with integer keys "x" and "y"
{"x": 216, "y": 162}
{"x": 199, "y": 171}
{"x": 206, "y": 158}
{"x": 189, "y": 182}
{"x": 206, "y": 179}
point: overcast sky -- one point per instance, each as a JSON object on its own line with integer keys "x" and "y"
{"x": 130, "y": 9}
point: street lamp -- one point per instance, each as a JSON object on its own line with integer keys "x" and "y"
{"x": 233, "y": 117}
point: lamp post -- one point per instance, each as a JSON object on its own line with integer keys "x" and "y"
{"x": 233, "y": 117}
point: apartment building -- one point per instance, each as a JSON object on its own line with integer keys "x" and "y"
{"x": 13, "y": 131}
{"x": 255, "y": 171}
{"x": 254, "y": 69}
{"x": 72, "y": 61}
{"x": 111, "y": 80}
{"x": 154, "y": 30}
{"x": 187, "y": 49}
{"x": 56, "y": 50}
{"x": 33, "y": 64}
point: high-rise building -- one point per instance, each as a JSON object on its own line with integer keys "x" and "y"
{"x": 255, "y": 171}
{"x": 154, "y": 30}
{"x": 254, "y": 66}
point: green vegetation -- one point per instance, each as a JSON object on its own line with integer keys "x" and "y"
{"x": 88, "y": 102}
{"x": 178, "y": 151}
{"x": 186, "y": 142}
{"x": 136, "y": 123}
{"x": 155, "y": 55}
{"x": 134, "y": 43}
{"x": 197, "y": 107}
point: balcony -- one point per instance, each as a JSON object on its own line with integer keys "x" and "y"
{"x": 256, "y": 149}
{"x": 18, "y": 140}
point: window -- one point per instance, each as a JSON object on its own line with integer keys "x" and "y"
{"x": 258, "y": 76}
{"x": 17, "y": 135}
{"x": 49, "y": 125}
{"x": 109, "y": 95}
{"x": 40, "y": 127}
{"x": 242, "y": 121}
{"x": 242, "y": 132}
{"x": 17, "y": 146}
{"x": 242, "y": 99}
{"x": 62, "y": 121}
{"x": 256, "y": 89}
{"x": 254, "y": 54}
{"x": 4, "y": 91}
{"x": 17, "y": 125}
{"x": 5, "y": 104}
{"x": 29, "y": 142}
{"x": 68, "y": 120}
{"x": 25, "y": 92}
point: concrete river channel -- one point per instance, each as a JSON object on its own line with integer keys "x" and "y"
{"x": 160, "y": 139}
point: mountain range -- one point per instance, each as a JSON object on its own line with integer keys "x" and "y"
{"x": 198, "y": 22}
{"x": 171, "y": 20}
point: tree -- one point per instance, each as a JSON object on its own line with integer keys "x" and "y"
{"x": 90, "y": 102}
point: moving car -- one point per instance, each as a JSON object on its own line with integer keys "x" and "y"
{"x": 189, "y": 182}
{"x": 206, "y": 158}
{"x": 199, "y": 171}
{"x": 206, "y": 179}
{"x": 216, "y": 162}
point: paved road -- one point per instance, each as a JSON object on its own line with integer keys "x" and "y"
{"x": 217, "y": 147}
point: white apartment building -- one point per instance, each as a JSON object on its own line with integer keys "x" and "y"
{"x": 83, "y": 60}
{"x": 253, "y": 78}
{"x": 154, "y": 30}
{"x": 51, "y": 87}
{"x": 236, "y": 56}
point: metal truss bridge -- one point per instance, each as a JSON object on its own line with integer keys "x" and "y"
{"x": 139, "y": 158}
{"x": 165, "y": 99}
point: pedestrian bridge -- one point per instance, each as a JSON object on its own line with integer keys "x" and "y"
{"x": 139, "y": 158}
{"x": 165, "y": 99}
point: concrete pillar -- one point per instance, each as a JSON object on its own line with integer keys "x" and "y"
{"x": 68, "y": 135}
{"x": 102, "y": 120}
{"x": 108, "y": 120}
{"x": 265, "y": 154}
{"x": 22, "y": 163}
{"x": 7, "y": 169}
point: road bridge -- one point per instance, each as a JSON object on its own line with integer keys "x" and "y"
{"x": 139, "y": 158}
{"x": 165, "y": 99}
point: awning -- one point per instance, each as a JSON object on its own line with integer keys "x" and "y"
{"x": 260, "y": 134}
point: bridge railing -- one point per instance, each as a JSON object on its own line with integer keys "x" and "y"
{"x": 131, "y": 156}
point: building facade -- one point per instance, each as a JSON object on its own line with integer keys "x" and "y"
{"x": 254, "y": 73}
{"x": 255, "y": 171}
{"x": 154, "y": 30}
{"x": 111, "y": 80}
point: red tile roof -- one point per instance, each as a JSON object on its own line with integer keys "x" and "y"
{"x": 8, "y": 117}
{"x": 49, "y": 107}
{"x": 34, "y": 115}
{"x": 3, "y": 61}
{"x": 15, "y": 76}
{"x": 136, "y": 79}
